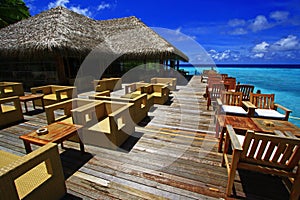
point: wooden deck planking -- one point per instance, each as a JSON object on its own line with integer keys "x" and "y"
{"x": 175, "y": 157}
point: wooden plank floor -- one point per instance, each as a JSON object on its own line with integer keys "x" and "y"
{"x": 173, "y": 155}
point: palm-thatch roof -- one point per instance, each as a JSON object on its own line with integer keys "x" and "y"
{"x": 60, "y": 31}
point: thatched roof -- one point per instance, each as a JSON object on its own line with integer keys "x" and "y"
{"x": 60, "y": 31}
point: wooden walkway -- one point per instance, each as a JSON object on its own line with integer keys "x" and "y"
{"x": 173, "y": 155}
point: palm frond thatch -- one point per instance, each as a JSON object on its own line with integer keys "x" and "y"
{"x": 60, "y": 31}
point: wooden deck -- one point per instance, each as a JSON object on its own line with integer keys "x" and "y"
{"x": 173, "y": 155}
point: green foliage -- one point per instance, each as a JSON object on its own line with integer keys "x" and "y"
{"x": 12, "y": 11}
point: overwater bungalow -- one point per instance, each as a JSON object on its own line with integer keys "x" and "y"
{"x": 50, "y": 47}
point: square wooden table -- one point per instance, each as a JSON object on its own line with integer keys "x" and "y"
{"x": 57, "y": 133}
{"x": 32, "y": 97}
{"x": 270, "y": 125}
{"x": 239, "y": 124}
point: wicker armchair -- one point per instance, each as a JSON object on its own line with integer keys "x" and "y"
{"x": 37, "y": 175}
{"x": 171, "y": 82}
{"x": 140, "y": 108}
{"x": 159, "y": 92}
{"x": 9, "y": 89}
{"x": 134, "y": 87}
{"x": 54, "y": 93}
{"x": 110, "y": 84}
{"x": 10, "y": 111}
{"x": 105, "y": 124}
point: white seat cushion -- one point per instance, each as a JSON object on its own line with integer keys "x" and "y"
{"x": 234, "y": 109}
{"x": 269, "y": 113}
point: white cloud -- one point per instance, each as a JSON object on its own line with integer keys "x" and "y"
{"x": 58, "y": 3}
{"x": 259, "y": 55}
{"x": 289, "y": 43}
{"x": 236, "y": 22}
{"x": 103, "y": 6}
{"x": 259, "y": 23}
{"x": 262, "y": 47}
{"x": 221, "y": 56}
{"x": 82, "y": 11}
{"x": 238, "y": 31}
{"x": 63, "y": 3}
{"x": 279, "y": 15}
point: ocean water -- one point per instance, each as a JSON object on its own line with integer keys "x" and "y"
{"x": 284, "y": 82}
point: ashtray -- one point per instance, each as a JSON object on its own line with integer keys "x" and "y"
{"x": 269, "y": 123}
{"x": 42, "y": 131}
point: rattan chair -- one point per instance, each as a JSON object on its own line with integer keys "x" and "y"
{"x": 10, "y": 111}
{"x": 54, "y": 93}
{"x": 37, "y": 175}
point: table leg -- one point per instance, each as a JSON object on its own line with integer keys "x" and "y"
{"x": 221, "y": 139}
{"x": 43, "y": 105}
{"x": 81, "y": 146}
{"x": 217, "y": 129}
{"x": 25, "y": 105}
{"x": 27, "y": 146}
{"x": 33, "y": 104}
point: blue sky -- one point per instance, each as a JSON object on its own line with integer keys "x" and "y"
{"x": 229, "y": 31}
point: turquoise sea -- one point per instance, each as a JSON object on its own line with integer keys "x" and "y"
{"x": 283, "y": 81}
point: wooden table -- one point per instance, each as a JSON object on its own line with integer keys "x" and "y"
{"x": 240, "y": 124}
{"x": 32, "y": 97}
{"x": 58, "y": 132}
{"x": 269, "y": 126}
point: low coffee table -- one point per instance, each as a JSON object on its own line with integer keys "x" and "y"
{"x": 57, "y": 133}
{"x": 32, "y": 97}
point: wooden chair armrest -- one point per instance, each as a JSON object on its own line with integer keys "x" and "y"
{"x": 282, "y": 107}
{"x": 219, "y": 102}
{"x": 234, "y": 140}
{"x": 248, "y": 106}
{"x": 286, "y": 110}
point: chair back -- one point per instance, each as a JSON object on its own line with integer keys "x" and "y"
{"x": 245, "y": 89}
{"x": 231, "y": 98}
{"x": 224, "y": 76}
{"x": 262, "y": 101}
{"x": 271, "y": 150}
{"x": 231, "y": 82}
{"x": 216, "y": 90}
